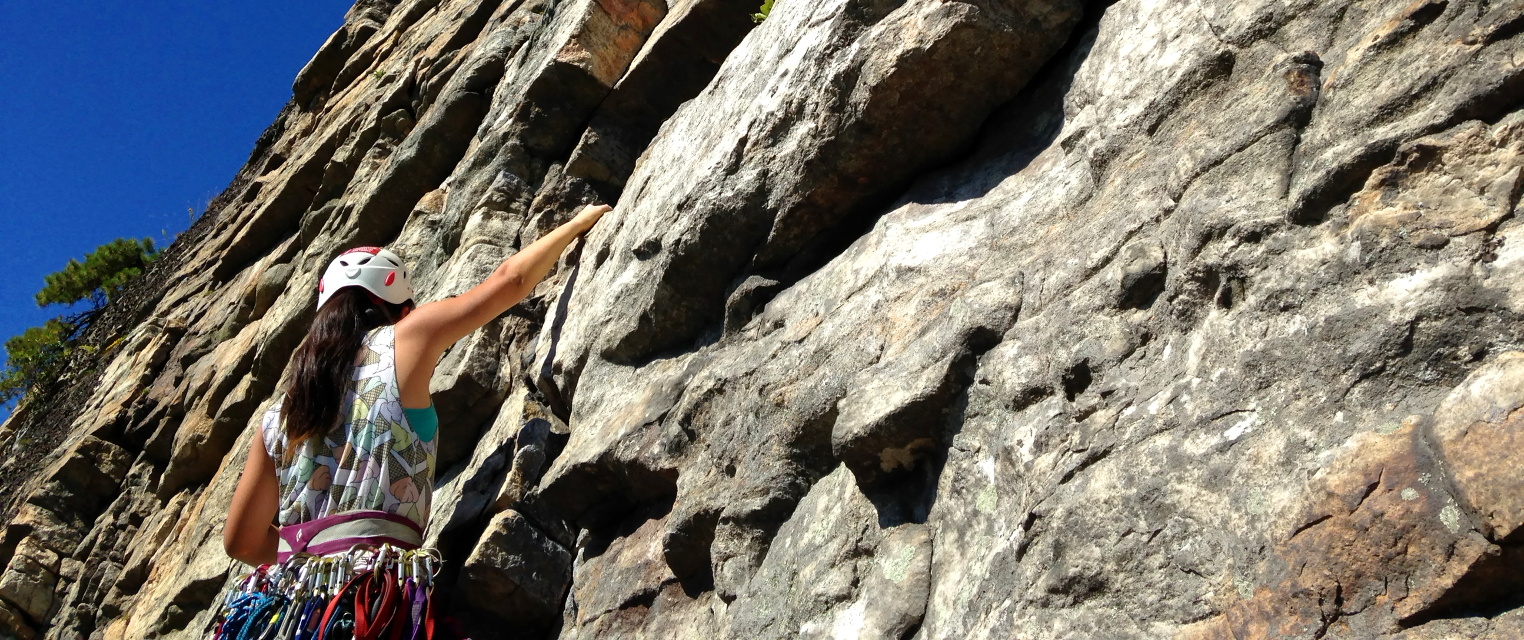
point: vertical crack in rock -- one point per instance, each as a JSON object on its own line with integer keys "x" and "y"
{"x": 679, "y": 59}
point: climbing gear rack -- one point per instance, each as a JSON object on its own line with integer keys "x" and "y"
{"x": 370, "y": 592}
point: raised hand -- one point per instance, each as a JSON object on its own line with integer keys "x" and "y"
{"x": 589, "y": 216}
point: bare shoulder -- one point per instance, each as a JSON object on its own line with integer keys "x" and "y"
{"x": 413, "y": 331}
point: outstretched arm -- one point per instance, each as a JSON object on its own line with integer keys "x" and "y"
{"x": 429, "y": 330}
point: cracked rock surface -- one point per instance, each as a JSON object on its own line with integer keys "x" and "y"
{"x": 915, "y": 319}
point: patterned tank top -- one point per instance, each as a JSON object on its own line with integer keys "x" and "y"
{"x": 373, "y": 460}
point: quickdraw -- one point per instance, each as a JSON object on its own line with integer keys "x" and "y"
{"x": 367, "y": 593}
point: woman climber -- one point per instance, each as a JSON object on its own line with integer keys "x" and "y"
{"x": 346, "y": 458}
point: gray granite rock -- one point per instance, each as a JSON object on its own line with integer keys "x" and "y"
{"x": 914, "y": 319}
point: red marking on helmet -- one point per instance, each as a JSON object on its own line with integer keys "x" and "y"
{"x": 369, "y": 250}
{"x": 320, "y": 285}
{"x": 390, "y": 277}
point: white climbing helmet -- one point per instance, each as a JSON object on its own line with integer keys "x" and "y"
{"x": 378, "y": 270}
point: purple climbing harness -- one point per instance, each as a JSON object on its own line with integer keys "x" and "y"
{"x": 337, "y": 533}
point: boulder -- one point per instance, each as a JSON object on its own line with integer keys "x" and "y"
{"x": 515, "y": 576}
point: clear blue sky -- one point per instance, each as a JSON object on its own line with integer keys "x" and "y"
{"x": 118, "y": 117}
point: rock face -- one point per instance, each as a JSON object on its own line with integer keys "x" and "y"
{"x": 915, "y": 319}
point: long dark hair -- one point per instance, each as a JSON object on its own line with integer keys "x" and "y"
{"x": 322, "y": 369}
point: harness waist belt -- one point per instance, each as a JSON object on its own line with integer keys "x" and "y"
{"x": 339, "y": 532}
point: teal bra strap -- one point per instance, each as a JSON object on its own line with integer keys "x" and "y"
{"x": 425, "y": 422}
